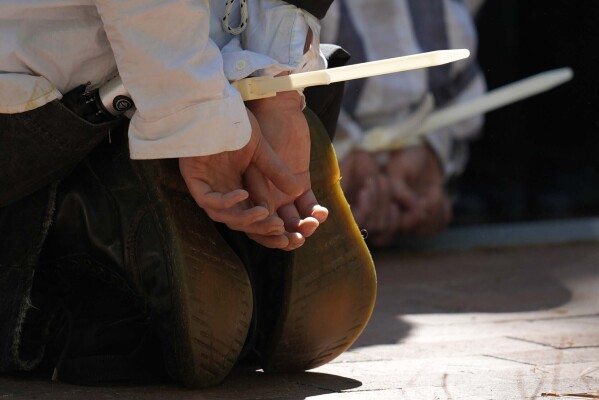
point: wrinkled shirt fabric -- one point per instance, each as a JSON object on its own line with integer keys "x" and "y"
{"x": 168, "y": 54}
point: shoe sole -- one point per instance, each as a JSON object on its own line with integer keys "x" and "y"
{"x": 211, "y": 289}
{"x": 330, "y": 283}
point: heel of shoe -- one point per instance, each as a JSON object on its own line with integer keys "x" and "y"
{"x": 211, "y": 289}
{"x": 330, "y": 282}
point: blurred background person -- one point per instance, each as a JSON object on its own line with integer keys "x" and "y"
{"x": 405, "y": 190}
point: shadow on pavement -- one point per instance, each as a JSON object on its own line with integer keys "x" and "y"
{"x": 242, "y": 384}
{"x": 485, "y": 281}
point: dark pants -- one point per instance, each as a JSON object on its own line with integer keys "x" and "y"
{"x": 37, "y": 149}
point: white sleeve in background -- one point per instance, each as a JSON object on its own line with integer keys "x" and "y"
{"x": 451, "y": 143}
{"x": 279, "y": 30}
{"x": 174, "y": 73}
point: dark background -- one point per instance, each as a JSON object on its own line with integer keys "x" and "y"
{"x": 539, "y": 158}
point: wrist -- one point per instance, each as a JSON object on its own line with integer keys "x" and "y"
{"x": 291, "y": 100}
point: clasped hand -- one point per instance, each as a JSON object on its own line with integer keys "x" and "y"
{"x": 262, "y": 189}
{"x": 405, "y": 196}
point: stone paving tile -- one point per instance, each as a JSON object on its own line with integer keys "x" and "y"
{"x": 550, "y": 356}
{"x": 478, "y": 377}
{"x": 414, "y": 349}
{"x": 560, "y": 332}
{"x": 423, "y": 372}
{"x": 564, "y": 339}
{"x": 494, "y": 324}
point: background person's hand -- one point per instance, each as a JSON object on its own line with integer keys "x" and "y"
{"x": 215, "y": 183}
{"x": 359, "y": 176}
{"x": 373, "y": 196}
{"x": 417, "y": 170}
{"x": 284, "y": 126}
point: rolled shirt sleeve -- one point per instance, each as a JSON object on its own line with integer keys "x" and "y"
{"x": 174, "y": 73}
{"x": 279, "y": 30}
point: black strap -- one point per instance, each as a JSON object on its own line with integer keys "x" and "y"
{"x": 318, "y": 8}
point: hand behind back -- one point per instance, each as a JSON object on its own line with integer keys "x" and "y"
{"x": 215, "y": 182}
{"x": 286, "y": 130}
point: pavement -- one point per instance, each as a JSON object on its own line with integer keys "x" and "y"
{"x": 504, "y": 323}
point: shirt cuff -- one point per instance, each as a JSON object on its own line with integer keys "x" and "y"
{"x": 206, "y": 128}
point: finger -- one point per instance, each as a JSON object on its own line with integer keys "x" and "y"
{"x": 206, "y": 198}
{"x": 439, "y": 214}
{"x": 296, "y": 240}
{"x": 378, "y": 204}
{"x": 364, "y": 205}
{"x": 403, "y": 194}
{"x": 445, "y": 216}
{"x": 308, "y": 206}
{"x": 273, "y": 168}
{"x": 368, "y": 204}
{"x": 385, "y": 237}
{"x": 294, "y": 224}
{"x": 411, "y": 219}
{"x": 259, "y": 188}
{"x": 271, "y": 242}
{"x": 429, "y": 218}
{"x": 394, "y": 219}
{"x": 290, "y": 216}
{"x": 384, "y": 203}
{"x": 246, "y": 220}
{"x": 287, "y": 241}
{"x": 273, "y": 225}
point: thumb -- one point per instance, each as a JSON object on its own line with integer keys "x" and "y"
{"x": 403, "y": 194}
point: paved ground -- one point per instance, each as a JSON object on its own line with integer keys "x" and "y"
{"x": 515, "y": 323}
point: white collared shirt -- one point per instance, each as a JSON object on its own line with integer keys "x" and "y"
{"x": 168, "y": 55}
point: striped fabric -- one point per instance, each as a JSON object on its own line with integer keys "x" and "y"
{"x": 376, "y": 29}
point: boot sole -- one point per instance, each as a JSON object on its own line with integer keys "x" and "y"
{"x": 330, "y": 283}
{"x": 211, "y": 292}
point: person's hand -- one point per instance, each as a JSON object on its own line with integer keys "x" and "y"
{"x": 215, "y": 183}
{"x": 285, "y": 128}
{"x": 372, "y": 196}
{"x": 417, "y": 171}
{"x": 360, "y": 181}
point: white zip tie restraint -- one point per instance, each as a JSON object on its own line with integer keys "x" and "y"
{"x": 268, "y": 86}
{"x": 395, "y": 136}
{"x": 112, "y": 93}
{"x": 244, "y": 17}
{"x": 386, "y": 138}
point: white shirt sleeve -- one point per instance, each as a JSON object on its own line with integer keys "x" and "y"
{"x": 279, "y": 30}
{"x": 451, "y": 143}
{"x": 174, "y": 73}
